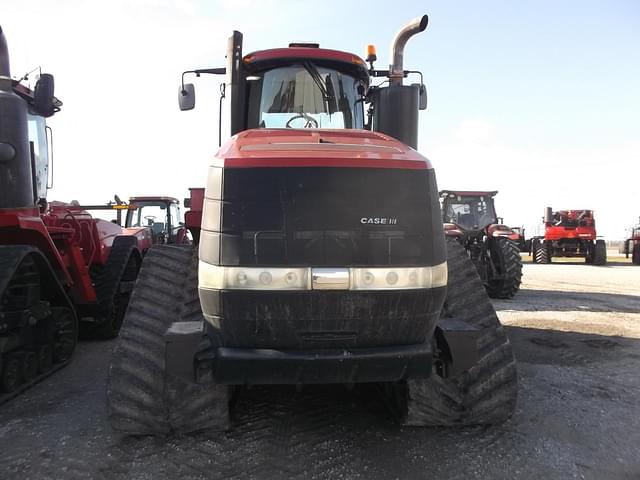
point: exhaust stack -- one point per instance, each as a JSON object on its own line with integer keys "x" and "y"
{"x": 4, "y": 56}
{"x": 396, "y": 69}
{"x": 16, "y": 180}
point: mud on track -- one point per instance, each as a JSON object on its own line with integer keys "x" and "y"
{"x": 578, "y": 413}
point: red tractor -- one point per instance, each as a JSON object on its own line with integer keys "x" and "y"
{"x": 58, "y": 265}
{"x": 569, "y": 233}
{"x": 470, "y": 218}
{"x": 632, "y": 245}
{"x": 320, "y": 258}
{"x": 159, "y": 213}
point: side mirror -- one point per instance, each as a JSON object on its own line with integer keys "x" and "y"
{"x": 43, "y": 96}
{"x": 187, "y": 96}
{"x": 423, "y": 97}
{"x": 187, "y": 203}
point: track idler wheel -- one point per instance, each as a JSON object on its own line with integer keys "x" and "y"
{"x": 11, "y": 376}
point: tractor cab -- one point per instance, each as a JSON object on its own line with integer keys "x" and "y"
{"x": 468, "y": 210}
{"x": 160, "y": 214}
{"x": 308, "y": 87}
{"x": 304, "y": 86}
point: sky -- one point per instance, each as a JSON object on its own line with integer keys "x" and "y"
{"x": 538, "y": 100}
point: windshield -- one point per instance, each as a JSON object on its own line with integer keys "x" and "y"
{"x": 469, "y": 213}
{"x": 305, "y": 95}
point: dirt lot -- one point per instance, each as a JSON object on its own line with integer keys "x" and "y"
{"x": 576, "y": 332}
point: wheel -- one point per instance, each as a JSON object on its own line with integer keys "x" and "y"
{"x": 542, "y": 254}
{"x": 635, "y": 256}
{"x": 11, "y": 376}
{"x": 45, "y": 358}
{"x": 487, "y": 392}
{"x": 29, "y": 365}
{"x": 113, "y": 284}
{"x": 505, "y": 256}
{"x": 141, "y": 398}
{"x": 600, "y": 253}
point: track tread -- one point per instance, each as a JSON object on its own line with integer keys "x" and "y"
{"x": 487, "y": 392}
{"x": 111, "y": 309}
{"x": 142, "y": 399}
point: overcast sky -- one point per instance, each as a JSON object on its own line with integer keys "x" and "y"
{"x": 539, "y": 100}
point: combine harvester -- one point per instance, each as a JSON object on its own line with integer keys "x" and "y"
{"x": 632, "y": 245}
{"x": 470, "y": 218}
{"x": 58, "y": 264}
{"x": 569, "y": 233}
{"x": 321, "y": 258}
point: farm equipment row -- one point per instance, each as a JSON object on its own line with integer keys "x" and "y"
{"x": 63, "y": 272}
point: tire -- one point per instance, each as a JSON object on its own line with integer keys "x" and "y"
{"x": 635, "y": 256}
{"x": 486, "y": 394}
{"x": 600, "y": 253}
{"x": 505, "y": 256}
{"x": 542, "y": 254}
{"x": 142, "y": 399}
{"x": 121, "y": 269}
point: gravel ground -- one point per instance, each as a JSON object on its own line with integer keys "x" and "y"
{"x": 576, "y": 334}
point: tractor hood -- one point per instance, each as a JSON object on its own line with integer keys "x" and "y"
{"x": 317, "y": 148}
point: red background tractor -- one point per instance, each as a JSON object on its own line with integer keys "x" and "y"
{"x": 632, "y": 245}
{"x": 569, "y": 233}
{"x": 470, "y": 218}
{"x": 58, "y": 264}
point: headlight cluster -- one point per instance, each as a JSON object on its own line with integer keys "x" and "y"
{"x": 307, "y": 278}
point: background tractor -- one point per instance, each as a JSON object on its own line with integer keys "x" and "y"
{"x": 470, "y": 218}
{"x": 632, "y": 245}
{"x": 58, "y": 264}
{"x": 159, "y": 213}
{"x": 321, "y": 258}
{"x": 569, "y": 233}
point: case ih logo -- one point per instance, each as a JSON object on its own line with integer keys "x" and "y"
{"x": 379, "y": 220}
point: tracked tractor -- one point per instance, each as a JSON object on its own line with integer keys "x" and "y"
{"x": 320, "y": 258}
{"x": 58, "y": 264}
{"x": 632, "y": 245}
{"x": 569, "y": 233}
{"x": 470, "y": 218}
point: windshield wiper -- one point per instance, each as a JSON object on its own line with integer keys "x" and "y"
{"x": 317, "y": 79}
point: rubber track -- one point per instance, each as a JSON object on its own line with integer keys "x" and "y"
{"x": 509, "y": 264}
{"x": 486, "y": 393}
{"x": 141, "y": 398}
{"x": 107, "y": 282}
{"x": 10, "y": 258}
{"x": 635, "y": 255}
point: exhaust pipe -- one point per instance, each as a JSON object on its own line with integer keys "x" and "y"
{"x": 396, "y": 69}
{"x": 4, "y": 57}
{"x": 548, "y": 214}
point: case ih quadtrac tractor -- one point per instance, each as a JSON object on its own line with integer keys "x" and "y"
{"x": 470, "y": 218}
{"x": 569, "y": 233}
{"x": 632, "y": 245}
{"x": 58, "y": 265}
{"x": 321, "y": 259}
